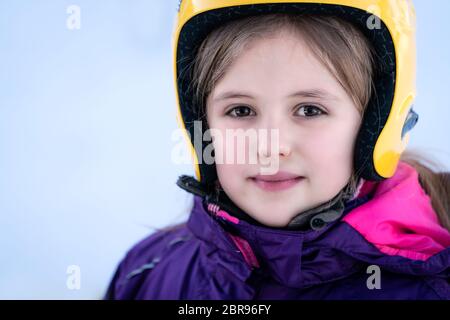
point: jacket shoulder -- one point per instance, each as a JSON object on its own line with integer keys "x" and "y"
{"x": 143, "y": 259}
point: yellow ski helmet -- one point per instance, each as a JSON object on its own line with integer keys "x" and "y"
{"x": 389, "y": 116}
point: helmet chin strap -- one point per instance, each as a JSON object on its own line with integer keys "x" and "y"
{"x": 315, "y": 218}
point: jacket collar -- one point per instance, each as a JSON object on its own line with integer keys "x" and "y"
{"x": 294, "y": 258}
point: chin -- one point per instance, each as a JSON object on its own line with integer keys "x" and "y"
{"x": 274, "y": 224}
{"x": 268, "y": 220}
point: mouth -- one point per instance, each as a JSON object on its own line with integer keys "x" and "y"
{"x": 276, "y": 185}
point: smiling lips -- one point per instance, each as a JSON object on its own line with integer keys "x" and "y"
{"x": 277, "y": 182}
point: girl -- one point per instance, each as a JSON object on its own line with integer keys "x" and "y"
{"x": 342, "y": 216}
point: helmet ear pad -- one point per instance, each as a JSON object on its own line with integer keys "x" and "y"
{"x": 376, "y": 114}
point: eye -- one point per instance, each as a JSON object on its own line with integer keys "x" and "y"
{"x": 310, "y": 111}
{"x": 239, "y": 112}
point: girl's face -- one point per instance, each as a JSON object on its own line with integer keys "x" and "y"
{"x": 277, "y": 83}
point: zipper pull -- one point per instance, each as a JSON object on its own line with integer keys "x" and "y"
{"x": 215, "y": 209}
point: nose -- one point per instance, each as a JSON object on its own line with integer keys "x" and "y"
{"x": 265, "y": 149}
{"x": 274, "y": 137}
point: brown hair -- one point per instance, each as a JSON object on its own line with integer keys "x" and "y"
{"x": 434, "y": 182}
{"x": 339, "y": 46}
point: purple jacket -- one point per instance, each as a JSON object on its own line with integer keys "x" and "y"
{"x": 387, "y": 245}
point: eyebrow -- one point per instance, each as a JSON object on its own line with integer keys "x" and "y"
{"x": 311, "y": 93}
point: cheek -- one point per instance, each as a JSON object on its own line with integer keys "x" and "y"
{"x": 230, "y": 177}
{"x": 230, "y": 156}
{"x": 233, "y": 147}
{"x": 330, "y": 151}
{"x": 223, "y": 171}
